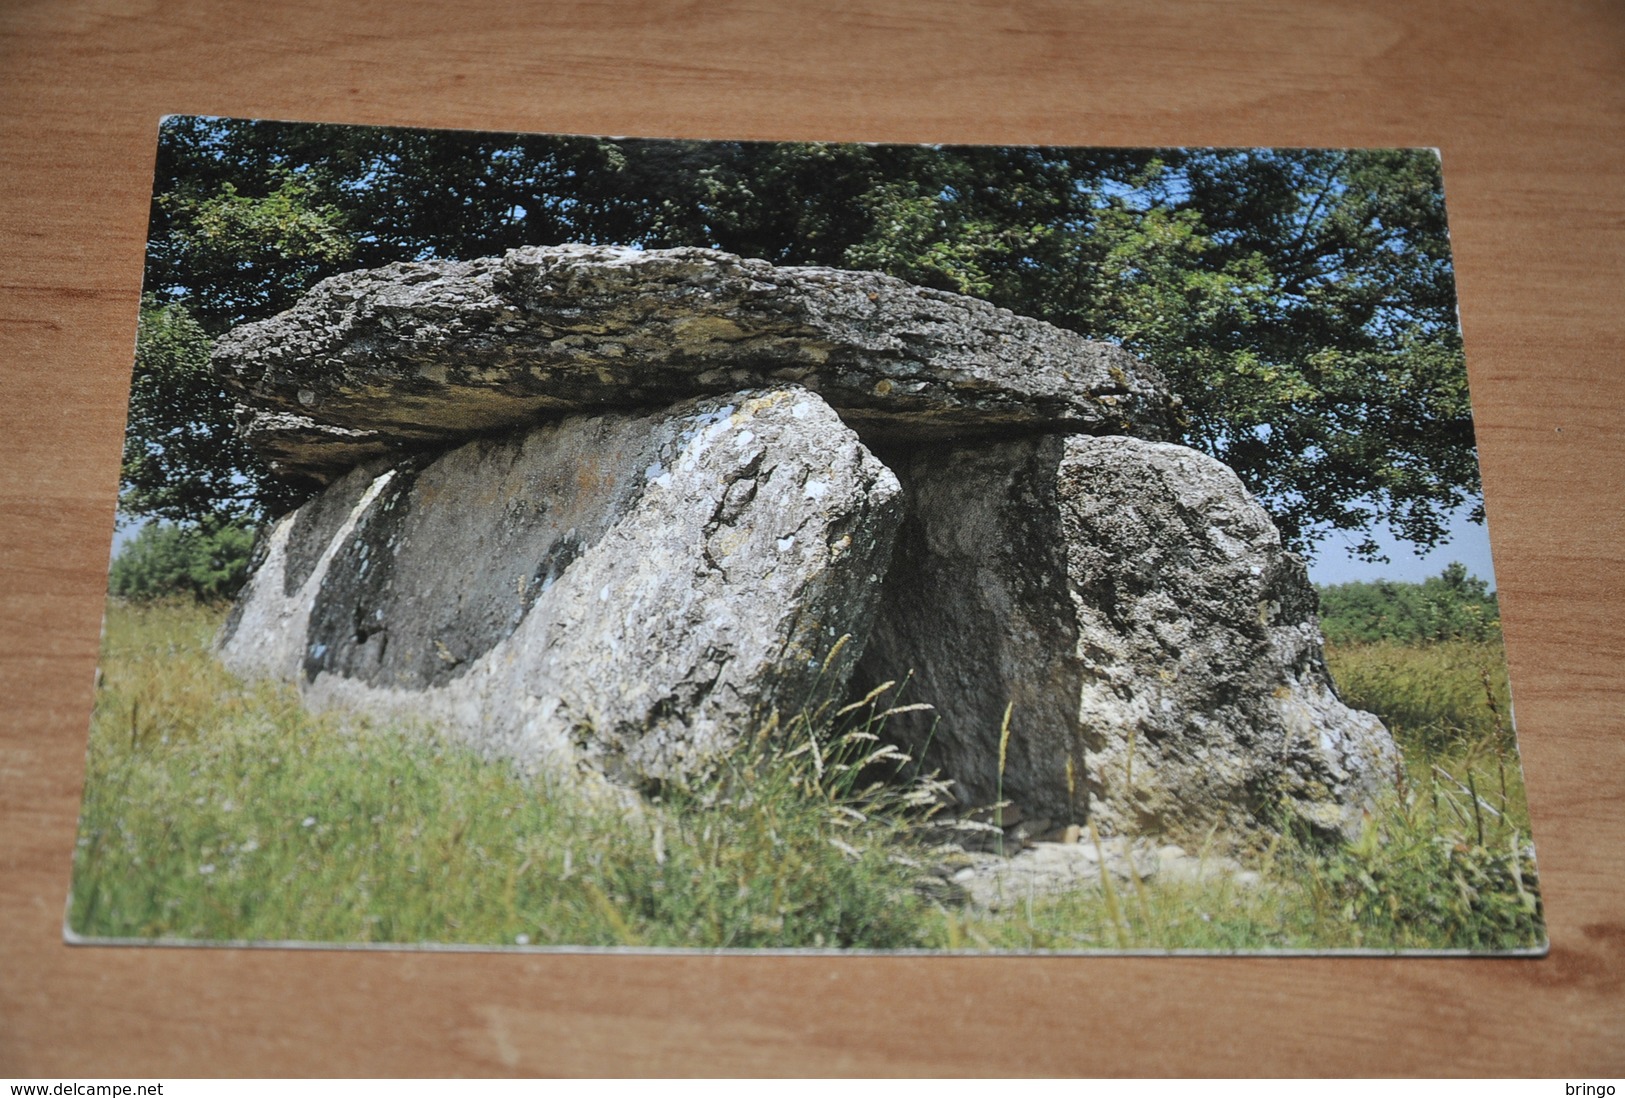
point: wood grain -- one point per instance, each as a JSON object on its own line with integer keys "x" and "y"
{"x": 1526, "y": 102}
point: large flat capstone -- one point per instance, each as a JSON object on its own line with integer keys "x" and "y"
{"x": 629, "y": 592}
{"x": 415, "y": 354}
{"x": 1134, "y": 606}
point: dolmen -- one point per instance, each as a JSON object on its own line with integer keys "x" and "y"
{"x": 604, "y": 511}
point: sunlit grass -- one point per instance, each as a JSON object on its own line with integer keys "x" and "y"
{"x": 215, "y": 810}
{"x": 220, "y": 811}
{"x": 1439, "y": 699}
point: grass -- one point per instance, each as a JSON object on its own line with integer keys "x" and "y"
{"x": 1440, "y": 700}
{"x": 218, "y": 810}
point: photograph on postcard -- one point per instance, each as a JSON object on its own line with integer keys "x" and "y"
{"x": 564, "y": 542}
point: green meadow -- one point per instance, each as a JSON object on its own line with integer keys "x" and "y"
{"x": 217, "y": 810}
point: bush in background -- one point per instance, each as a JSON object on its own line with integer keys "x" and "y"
{"x": 1450, "y": 606}
{"x": 209, "y": 563}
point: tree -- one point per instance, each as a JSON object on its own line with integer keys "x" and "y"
{"x": 1450, "y": 606}
{"x": 1301, "y": 301}
{"x": 1346, "y": 395}
{"x": 181, "y": 457}
{"x": 208, "y": 562}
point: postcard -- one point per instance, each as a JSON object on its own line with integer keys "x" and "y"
{"x": 558, "y": 542}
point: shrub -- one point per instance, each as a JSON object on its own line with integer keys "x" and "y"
{"x": 165, "y": 560}
{"x": 1450, "y": 606}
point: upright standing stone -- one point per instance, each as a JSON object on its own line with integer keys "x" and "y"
{"x": 632, "y": 592}
{"x": 1135, "y": 605}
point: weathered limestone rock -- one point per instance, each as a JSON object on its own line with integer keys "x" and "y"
{"x": 1045, "y": 870}
{"x": 1135, "y": 605}
{"x": 418, "y": 353}
{"x": 630, "y": 590}
{"x": 283, "y": 440}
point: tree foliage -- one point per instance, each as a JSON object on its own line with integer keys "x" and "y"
{"x": 208, "y": 562}
{"x": 1301, "y": 301}
{"x": 182, "y": 459}
{"x": 1450, "y": 606}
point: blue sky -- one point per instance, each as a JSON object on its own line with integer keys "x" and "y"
{"x": 1469, "y": 543}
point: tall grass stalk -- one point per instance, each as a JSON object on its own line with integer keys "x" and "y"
{"x": 998, "y": 795}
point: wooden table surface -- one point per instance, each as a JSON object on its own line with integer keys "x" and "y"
{"x": 1525, "y": 100}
